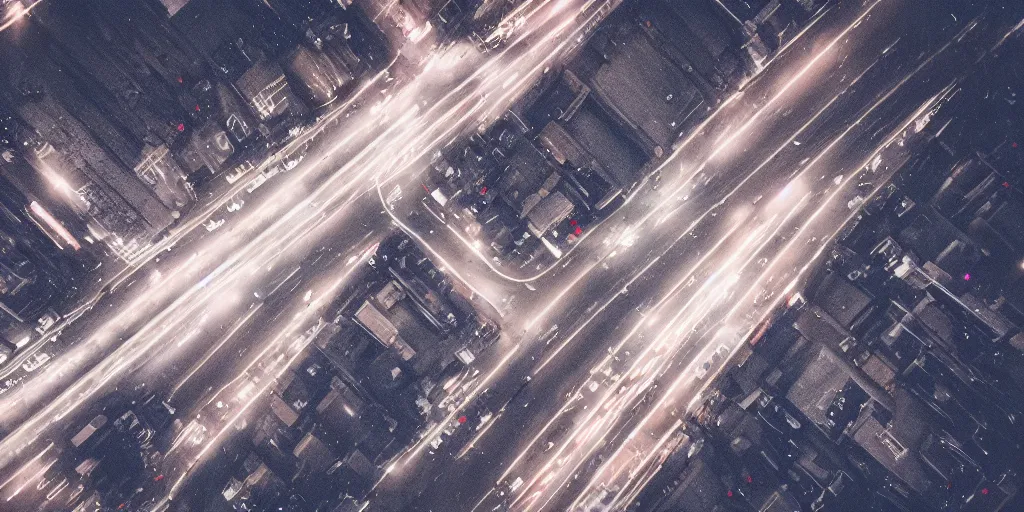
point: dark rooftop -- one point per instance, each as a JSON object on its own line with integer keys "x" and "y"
{"x": 647, "y": 90}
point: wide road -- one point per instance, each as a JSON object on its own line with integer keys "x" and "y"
{"x": 745, "y": 207}
{"x": 195, "y": 323}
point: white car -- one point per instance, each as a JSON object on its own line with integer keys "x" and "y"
{"x": 212, "y": 225}
{"x": 293, "y": 163}
{"x": 516, "y": 485}
{"x": 256, "y": 182}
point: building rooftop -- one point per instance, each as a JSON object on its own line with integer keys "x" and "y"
{"x": 266, "y": 89}
{"x": 895, "y": 444}
{"x": 841, "y": 299}
{"x": 378, "y": 325}
{"x": 524, "y": 176}
{"x": 695, "y": 32}
{"x": 817, "y": 385}
{"x": 209, "y": 23}
{"x": 283, "y": 411}
{"x": 551, "y": 210}
{"x": 647, "y": 90}
{"x": 608, "y": 142}
{"x": 357, "y": 473}
{"x": 314, "y": 455}
{"x": 700, "y": 488}
{"x": 317, "y": 79}
{"x": 594, "y": 182}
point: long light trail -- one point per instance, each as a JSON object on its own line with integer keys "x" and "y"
{"x": 587, "y": 271}
{"x": 858, "y": 121}
{"x": 711, "y": 292}
{"x": 222, "y": 267}
{"x": 411, "y": 455}
{"x": 684, "y": 377}
{"x": 190, "y": 226}
{"x": 138, "y": 308}
{"x": 408, "y": 458}
{"x": 735, "y": 189}
{"x": 557, "y": 416}
{"x": 127, "y": 354}
{"x": 698, "y": 220}
{"x": 550, "y": 358}
{"x": 27, "y": 465}
{"x": 209, "y": 354}
{"x": 670, "y": 395}
{"x": 280, "y": 345}
{"x": 19, "y": 11}
{"x": 730, "y": 136}
{"x": 774, "y": 154}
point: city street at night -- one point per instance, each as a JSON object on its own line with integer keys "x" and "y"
{"x": 511, "y": 255}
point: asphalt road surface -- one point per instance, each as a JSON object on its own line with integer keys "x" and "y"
{"x": 744, "y": 207}
{"x": 611, "y": 337}
{"x": 200, "y": 319}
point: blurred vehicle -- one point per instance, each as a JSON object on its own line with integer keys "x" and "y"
{"x": 277, "y": 282}
{"x": 212, "y": 225}
{"x": 6, "y": 350}
{"x": 256, "y": 183}
{"x": 236, "y": 204}
{"x": 714, "y": 360}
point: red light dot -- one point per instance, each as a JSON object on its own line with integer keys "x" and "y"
{"x": 181, "y": 127}
{"x": 158, "y": 478}
{"x": 729, "y": 494}
{"x": 967, "y": 277}
{"x": 984, "y": 491}
{"x": 1014, "y": 144}
{"x": 750, "y": 479}
{"x": 573, "y": 222}
{"x": 1006, "y": 184}
{"x": 483, "y": 191}
{"x": 181, "y": 80}
{"x": 462, "y": 419}
{"x": 197, "y": 108}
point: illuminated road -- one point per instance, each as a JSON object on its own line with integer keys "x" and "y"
{"x": 187, "y": 323}
{"x": 745, "y": 206}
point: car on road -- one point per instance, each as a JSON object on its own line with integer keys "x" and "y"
{"x": 507, "y": 488}
{"x": 236, "y": 204}
{"x": 519, "y": 391}
{"x": 557, "y": 434}
{"x": 285, "y": 279}
{"x": 713, "y": 361}
{"x": 256, "y": 183}
{"x": 212, "y": 225}
{"x": 6, "y": 350}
